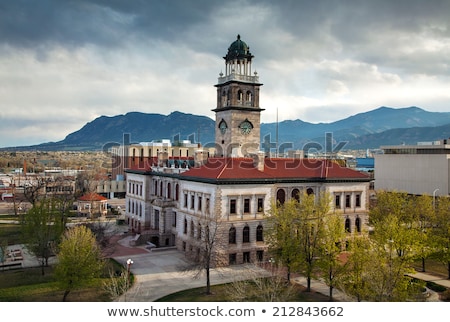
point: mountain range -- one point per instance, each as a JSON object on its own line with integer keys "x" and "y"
{"x": 368, "y": 130}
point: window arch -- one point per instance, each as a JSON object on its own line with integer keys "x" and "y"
{"x": 295, "y": 194}
{"x": 248, "y": 96}
{"x": 246, "y": 234}
{"x": 259, "y": 233}
{"x": 358, "y": 224}
{"x": 281, "y": 196}
{"x": 169, "y": 194}
{"x": 240, "y": 95}
{"x": 232, "y": 235}
{"x": 347, "y": 225}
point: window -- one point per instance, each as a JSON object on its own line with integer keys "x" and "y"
{"x": 192, "y": 229}
{"x": 185, "y": 200}
{"x": 232, "y": 236}
{"x": 199, "y": 206}
{"x": 281, "y": 196}
{"x": 207, "y": 206}
{"x": 246, "y": 205}
{"x": 192, "y": 201}
{"x": 174, "y": 219}
{"x": 358, "y": 200}
{"x": 260, "y": 255}
{"x": 347, "y": 201}
{"x": 246, "y": 257}
{"x": 232, "y": 259}
{"x": 232, "y": 206}
{"x": 259, "y": 233}
{"x": 337, "y": 201}
{"x": 358, "y": 224}
{"x": 169, "y": 192}
{"x": 347, "y": 225}
{"x": 260, "y": 204}
{"x": 185, "y": 226}
{"x": 246, "y": 234}
{"x": 296, "y": 194}
{"x": 199, "y": 231}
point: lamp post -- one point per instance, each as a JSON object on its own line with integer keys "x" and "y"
{"x": 129, "y": 263}
{"x": 434, "y": 198}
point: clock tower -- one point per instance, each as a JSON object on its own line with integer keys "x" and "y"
{"x": 238, "y": 112}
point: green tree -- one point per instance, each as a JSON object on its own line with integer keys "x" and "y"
{"x": 358, "y": 267}
{"x": 42, "y": 227}
{"x": 310, "y": 231}
{"x": 295, "y": 230}
{"x": 330, "y": 262}
{"x": 79, "y": 259}
{"x": 442, "y": 232}
{"x": 281, "y": 234}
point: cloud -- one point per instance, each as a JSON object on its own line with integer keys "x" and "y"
{"x": 64, "y": 63}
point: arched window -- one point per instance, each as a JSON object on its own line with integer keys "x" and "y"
{"x": 281, "y": 196}
{"x": 199, "y": 231}
{"x": 310, "y": 191}
{"x": 177, "y": 192}
{"x": 246, "y": 234}
{"x": 259, "y": 233}
{"x": 169, "y": 194}
{"x": 248, "y": 97}
{"x": 185, "y": 226}
{"x": 347, "y": 225}
{"x": 358, "y": 224}
{"x": 295, "y": 194}
{"x": 232, "y": 236}
{"x": 240, "y": 96}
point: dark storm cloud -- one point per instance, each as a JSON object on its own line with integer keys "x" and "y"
{"x": 108, "y": 23}
{"x": 319, "y": 60}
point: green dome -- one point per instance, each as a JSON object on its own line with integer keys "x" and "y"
{"x": 238, "y": 50}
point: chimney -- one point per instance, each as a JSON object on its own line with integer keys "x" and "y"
{"x": 258, "y": 160}
{"x": 200, "y": 157}
{"x": 163, "y": 159}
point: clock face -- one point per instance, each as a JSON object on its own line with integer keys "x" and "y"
{"x": 246, "y": 127}
{"x": 223, "y": 127}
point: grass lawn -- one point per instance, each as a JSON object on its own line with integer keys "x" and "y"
{"x": 10, "y": 233}
{"x": 29, "y": 285}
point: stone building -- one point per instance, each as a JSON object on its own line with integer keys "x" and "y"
{"x": 233, "y": 188}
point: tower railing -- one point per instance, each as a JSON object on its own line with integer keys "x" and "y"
{"x": 238, "y": 77}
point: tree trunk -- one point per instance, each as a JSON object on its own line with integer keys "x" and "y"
{"x": 308, "y": 284}
{"x": 208, "y": 282}
{"x": 448, "y": 269}
{"x": 65, "y": 295}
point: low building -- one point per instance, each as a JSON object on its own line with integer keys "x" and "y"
{"x": 418, "y": 169}
{"x": 92, "y": 205}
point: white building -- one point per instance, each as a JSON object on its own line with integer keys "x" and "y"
{"x": 167, "y": 204}
{"x": 417, "y": 169}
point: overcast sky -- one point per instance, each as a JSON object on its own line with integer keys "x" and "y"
{"x": 65, "y": 63}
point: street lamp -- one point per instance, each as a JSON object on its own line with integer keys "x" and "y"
{"x": 129, "y": 263}
{"x": 434, "y": 198}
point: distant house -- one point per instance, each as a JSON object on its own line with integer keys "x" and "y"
{"x": 92, "y": 205}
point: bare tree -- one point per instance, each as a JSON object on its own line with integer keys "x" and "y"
{"x": 253, "y": 285}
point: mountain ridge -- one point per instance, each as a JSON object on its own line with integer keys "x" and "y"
{"x": 362, "y": 130}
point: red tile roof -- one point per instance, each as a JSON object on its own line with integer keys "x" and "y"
{"x": 92, "y": 197}
{"x": 274, "y": 168}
